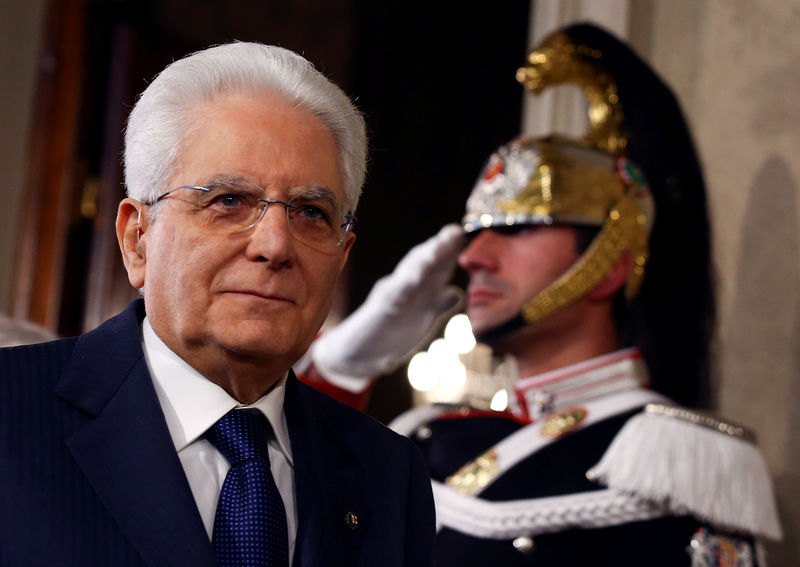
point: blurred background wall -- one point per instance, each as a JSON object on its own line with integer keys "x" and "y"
{"x": 437, "y": 86}
{"x": 20, "y": 38}
{"x": 734, "y": 64}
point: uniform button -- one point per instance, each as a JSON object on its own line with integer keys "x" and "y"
{"x": 423, "y": 433}
{"x": 351, "y": 521}
{"x": 523, "y": 544}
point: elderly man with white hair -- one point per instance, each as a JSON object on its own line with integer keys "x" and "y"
{"x": 175, "y": 433}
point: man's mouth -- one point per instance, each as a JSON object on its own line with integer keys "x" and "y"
{"x": 481, "y": 295}
{"x": 267, "y": 296}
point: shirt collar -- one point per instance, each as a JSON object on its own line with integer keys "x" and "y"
{"x": 191, "y": 403}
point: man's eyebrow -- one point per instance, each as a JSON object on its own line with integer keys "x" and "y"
{"x": 313, "y": 192}
{"x": 230, "y": 181}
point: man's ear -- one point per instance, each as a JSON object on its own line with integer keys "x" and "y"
{"x": 131, "y": 226}
{"x": 350, "y": 238}
{"x": 617, "y": 277}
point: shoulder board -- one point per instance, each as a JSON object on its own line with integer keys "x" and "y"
{"x": 694, "y": 463}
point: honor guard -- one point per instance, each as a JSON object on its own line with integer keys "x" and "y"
{"x": 589, "y": 264}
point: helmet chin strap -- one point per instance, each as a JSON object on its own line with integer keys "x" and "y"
{"x": 622, "y": 231}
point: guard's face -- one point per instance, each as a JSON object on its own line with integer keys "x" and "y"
{"x": 257, "y": 294}
{"x": 508, "y": 267}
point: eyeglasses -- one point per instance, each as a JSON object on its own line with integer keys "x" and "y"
{"x": 225, "y": 210}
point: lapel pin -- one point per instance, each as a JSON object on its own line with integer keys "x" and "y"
{"x": 351, "y": 521}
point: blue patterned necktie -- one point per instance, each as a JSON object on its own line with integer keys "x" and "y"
{"x": 250, "y": 525}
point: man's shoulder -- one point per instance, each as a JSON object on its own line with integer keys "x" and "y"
{"x": 679, "y": 456}
{"x": 25, "y": 359}
{"x": 110, "y": 331}
{"x": 73, "y": 365}
{"x": 345, "y": 416}
{"x": 29, "y": 375}
{"x": 361, "y": 432}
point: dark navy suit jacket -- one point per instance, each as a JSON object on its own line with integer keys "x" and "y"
{"x": 89, "y": 475}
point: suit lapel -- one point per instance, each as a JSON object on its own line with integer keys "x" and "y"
{"x": 327, "y": 481}
{"x": 126, "y": 451}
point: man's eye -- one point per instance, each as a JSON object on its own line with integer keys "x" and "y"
{"x": 228, "y": 200}
{"x": 312, "y": 212}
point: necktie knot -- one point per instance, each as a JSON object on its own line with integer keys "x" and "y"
{"x": 241, "y": 435}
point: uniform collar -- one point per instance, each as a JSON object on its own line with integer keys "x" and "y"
{"x": 545, "y": 393}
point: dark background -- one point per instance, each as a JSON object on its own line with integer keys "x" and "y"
{"x": 434, "y": 80}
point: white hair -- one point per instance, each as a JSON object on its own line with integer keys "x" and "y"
{"x": 162, "y": 117}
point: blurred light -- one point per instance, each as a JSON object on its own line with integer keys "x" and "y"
{"x": 439, "y": 369}
{"x": 458, "y": 333}
{"x": 499, "y": 401}
{"x": 421, "y": 374}
{"x": 454, "y": 377}
{"x": 441, "y": 349}
{"x": 445, "y": 365}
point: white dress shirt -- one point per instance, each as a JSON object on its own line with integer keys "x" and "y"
{"x": 191, "y": 404}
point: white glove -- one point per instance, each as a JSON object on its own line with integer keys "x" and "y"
{"x": 398, "y": 317}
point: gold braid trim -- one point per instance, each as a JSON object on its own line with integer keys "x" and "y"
{"x": 622, "y": 231}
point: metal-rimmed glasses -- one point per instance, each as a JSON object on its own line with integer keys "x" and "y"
{"x": 311, "y": 215}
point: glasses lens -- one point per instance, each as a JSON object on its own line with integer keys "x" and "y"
{"x": 220, "y": 209}
{"x": 227, "y": 209}
{"x": 315, "y": 222}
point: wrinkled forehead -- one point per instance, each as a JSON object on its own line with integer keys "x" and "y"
{"x": 543, "y": 182}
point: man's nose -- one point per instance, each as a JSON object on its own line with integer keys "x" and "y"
{"x": 271, "y": 238}
{"x": 481, "y": 252}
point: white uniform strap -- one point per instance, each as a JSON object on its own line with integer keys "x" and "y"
{"x": 407, "y": 422}
{"x": 530, "y": 517}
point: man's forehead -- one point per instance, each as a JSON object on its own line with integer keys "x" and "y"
{"x": 252, "y": 141}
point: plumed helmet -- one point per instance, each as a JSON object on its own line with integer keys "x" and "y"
{"x": 635, "y": 177}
